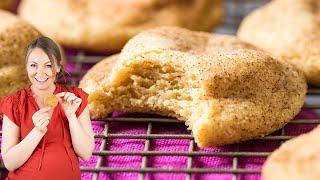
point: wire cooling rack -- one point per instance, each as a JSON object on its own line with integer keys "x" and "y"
{"x": 79, "y": 62}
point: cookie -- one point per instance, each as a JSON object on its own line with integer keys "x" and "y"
{"x": 226, "y": 90}
{"x": 106, "y": 25}
{"x": 289, "y": 31}
{"x": 15, "y": 35}
{"x": 296, "y": 159}
{"x": 12, "y": 78}
{"x": 100, "y": 71}
{"x": 50, "y": 100}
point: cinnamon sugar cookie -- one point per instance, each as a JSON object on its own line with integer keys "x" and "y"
{"x": 12, "y": 78}
{"x": 225, "y": 89}
{"x": 296, "y": 159}
{"x": 106, "y": 25}
{"x": 15, "y": 35}
{"x": 290, "y": 31}
{"x": 100, "y": 71}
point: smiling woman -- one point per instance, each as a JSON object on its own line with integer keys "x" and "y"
{"x": 43, "y": 56}
{"x": 43, "y": 61}
{"x": 37, "y": 139}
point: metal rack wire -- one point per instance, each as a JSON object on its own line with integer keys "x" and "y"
{"x": 236, "y": 10}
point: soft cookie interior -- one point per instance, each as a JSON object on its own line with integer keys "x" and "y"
{"x": 151, "y": 86}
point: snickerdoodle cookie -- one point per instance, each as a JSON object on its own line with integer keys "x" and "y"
{"x": 289, "y": 30}
{"x": 226, "y": 90}
{"x": 296, "y": 159}
{"x": 106, "y": 25}
{"x": 12, "y": 78}
{"x": 99, "y": 72}
{"x": 15, "y": 35}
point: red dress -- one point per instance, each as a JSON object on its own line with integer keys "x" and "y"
{"x": 54, "y": 157}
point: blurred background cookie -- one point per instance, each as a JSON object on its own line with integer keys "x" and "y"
{"x": 12, "y": 78}
{"x": 106, "y": 25}
{"x": 15, "y": 35}
{"x": 289, "y": 30}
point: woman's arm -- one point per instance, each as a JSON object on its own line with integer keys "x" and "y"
{"x": 15, "y": 153}
{"x": 82, "y": 134}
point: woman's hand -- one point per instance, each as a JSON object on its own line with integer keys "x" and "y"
{"x": 41, "y": 119}
{"x": 69, "y": 102}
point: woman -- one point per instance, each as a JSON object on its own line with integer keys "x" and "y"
{"x": 40, "y": 142}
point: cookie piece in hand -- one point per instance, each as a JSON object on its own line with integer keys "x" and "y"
{"x": 50, "y": 100}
